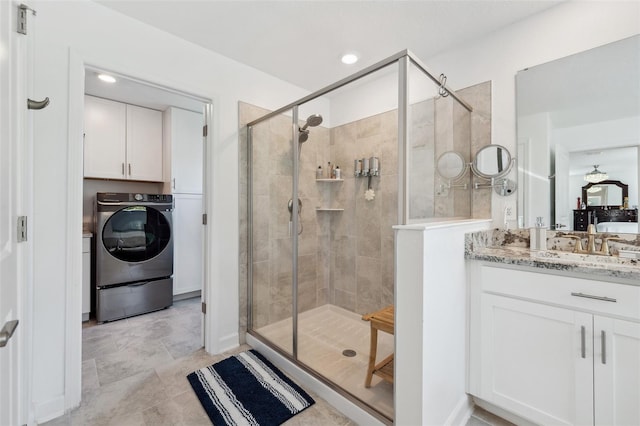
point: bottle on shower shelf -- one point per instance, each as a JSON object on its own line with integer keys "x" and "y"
{"x": 329, "y": 170}
{"x": 319, "y": 172}
{"x": 337, "y": 172}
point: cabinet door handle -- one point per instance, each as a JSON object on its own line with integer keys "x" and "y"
{"x": 174, "y": 183}
{"x": 122, "y": 169}
{"x": 129, "y": 169}
{"x": 590, "y": 296}
{"x": 583, "y": 345}
{"x": 603, "y": 344}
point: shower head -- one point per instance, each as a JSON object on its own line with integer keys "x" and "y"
{"x": 313, "y": 121}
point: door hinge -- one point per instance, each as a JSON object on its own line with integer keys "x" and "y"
{"x": 22, "y": 229}
{"x": 22, "y": 18}
{"x": 204, "y": 218}
{"x": 205, "y": 130}
{"x": 204, "y": 308}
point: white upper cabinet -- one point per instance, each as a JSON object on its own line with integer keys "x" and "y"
{"x": 183, "y": 130}
{"x": 144, "y": 144}
{"x": 105, "y": 136}
{"x": 122, "y": 141}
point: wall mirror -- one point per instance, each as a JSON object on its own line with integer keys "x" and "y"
{"x": 492, "y": 162}
{"x": 451, "y": 166}
{"x": 572, "y": 113}
{"x": 608, "y": 193}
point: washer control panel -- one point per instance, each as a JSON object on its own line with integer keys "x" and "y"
{"x": 123, "y": 197}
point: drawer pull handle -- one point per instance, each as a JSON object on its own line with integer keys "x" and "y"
{"x": 590, "y": 296}
{"x": 583, "y": 346}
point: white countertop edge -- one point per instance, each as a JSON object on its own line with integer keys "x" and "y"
{"x": 440, "y": 223}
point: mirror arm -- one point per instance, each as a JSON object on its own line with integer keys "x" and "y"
{"x": 503, "y": 187}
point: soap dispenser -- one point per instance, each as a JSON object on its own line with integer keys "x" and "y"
{"x": 538, "y": 235}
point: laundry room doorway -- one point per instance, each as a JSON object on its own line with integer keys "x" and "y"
{"x": 143, "y": 141}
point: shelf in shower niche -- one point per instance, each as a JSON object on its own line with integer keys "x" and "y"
{"x": 320, "y": 209}
{"x": 329, "y": 180}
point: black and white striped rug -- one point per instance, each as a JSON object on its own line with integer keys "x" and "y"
{"x": 246, "y": 389}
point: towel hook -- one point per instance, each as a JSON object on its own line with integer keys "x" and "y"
{"x": 31, "y": 104}
{"x": 442, "y": 90}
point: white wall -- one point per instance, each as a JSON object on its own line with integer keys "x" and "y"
{"x": 103, "y": 38}
{"x": 563, "y": 30}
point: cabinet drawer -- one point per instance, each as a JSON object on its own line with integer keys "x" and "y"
{"x": 577, "y": 293}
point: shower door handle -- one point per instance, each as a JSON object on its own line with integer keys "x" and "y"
{"x": 290, "y": 207}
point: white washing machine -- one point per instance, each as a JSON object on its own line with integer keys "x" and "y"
{"x": 134, "y": 254}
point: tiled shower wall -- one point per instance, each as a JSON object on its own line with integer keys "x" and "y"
{"x": 361, "y": 268}
{"x": 346, "y": 257}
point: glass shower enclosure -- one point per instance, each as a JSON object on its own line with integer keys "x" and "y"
{"x": 328, "y": 177}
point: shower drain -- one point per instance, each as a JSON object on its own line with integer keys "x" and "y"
{"x": 349, "y": 352}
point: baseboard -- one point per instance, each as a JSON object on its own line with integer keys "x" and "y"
{"x": 227, "y": 343}
{"x": 513, "y": 418}
{"x": 48, "y": 410}
{"x": 187, "y": 295}
{"x": 461, "y": 414}
{"x": 336, "y": 400}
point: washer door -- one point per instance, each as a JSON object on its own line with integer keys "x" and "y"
{"x": 136, "y": 234}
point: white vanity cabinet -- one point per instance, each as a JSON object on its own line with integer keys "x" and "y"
{"x": 122, "y": 141}
{"x": 554, "y": 349}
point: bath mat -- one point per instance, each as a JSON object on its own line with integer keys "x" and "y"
{"x": 246, "y": 389}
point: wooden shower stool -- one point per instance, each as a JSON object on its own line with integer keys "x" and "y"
{"x": 380, "y": 320}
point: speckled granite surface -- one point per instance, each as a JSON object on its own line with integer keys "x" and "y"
{"x": 512, "y": 247}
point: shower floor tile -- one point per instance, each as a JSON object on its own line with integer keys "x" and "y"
{"x": 323, "y": 334}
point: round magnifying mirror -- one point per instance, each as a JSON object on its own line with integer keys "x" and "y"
{"x": 491, "y": 162}
{"x": 451, "y": 165}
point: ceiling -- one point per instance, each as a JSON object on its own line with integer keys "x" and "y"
{"x": 302, "y": 41}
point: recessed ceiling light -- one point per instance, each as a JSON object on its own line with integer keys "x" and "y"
{"x": 106, "y": 78}
{"x": 349, "y": 58}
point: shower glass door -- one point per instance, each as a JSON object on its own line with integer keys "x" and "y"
{"x": 271, "y": 229}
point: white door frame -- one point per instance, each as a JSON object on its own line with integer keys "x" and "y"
{"x": 75, "y": 176}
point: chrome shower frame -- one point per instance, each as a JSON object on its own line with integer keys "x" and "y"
{"x": 404, "y": 59}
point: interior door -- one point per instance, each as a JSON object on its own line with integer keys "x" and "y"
{"x": 15, "y": 70}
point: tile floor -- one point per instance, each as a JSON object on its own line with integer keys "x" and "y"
{"x": 134, "y": 373}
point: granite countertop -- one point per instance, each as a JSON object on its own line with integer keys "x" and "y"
{"x": 511, "y": 248}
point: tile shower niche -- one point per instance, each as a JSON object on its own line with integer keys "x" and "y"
{"x": 330, "y": 186}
